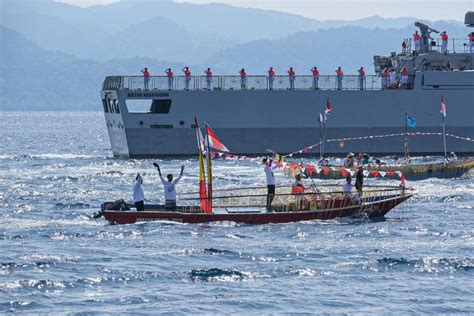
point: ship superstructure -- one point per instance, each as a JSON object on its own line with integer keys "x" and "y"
{"x": 147, "y": 119}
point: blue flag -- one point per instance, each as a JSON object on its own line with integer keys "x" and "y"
{"x": 411, "y": 122}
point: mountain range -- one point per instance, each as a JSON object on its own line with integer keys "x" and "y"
{"x": 54, "y": 56}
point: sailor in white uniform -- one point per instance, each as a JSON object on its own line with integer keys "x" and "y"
{"x": 169, "y": 186}
{"x": 138, "y": 195}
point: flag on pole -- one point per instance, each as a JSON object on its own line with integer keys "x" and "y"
{"x": 411, "y": 122}
{"x": 209, "y": 171}
{"x": 443, "y": 108}
{"x": 328, "y": 106}
{"x": 214, "y": 142}
{"x": 205, "y": 207}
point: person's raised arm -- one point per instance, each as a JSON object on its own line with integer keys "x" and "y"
{"x": 159, "y": 171}
{"x": 180, "y": 175}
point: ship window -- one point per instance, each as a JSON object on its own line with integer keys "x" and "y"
{"x": 160, "y": 106}
{"x": 104, "y": 103}
{"x": 109, "y": 105}
{"x": 161, "y": 126}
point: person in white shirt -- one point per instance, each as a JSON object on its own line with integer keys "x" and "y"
{"x": 347, "y": 187}
{"x": 169, "y": 186}
{"x": 268, "y": 168}
{"x": 138, "y": 195}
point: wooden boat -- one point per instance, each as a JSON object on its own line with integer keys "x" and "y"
{"x": 250, "y": 208}
{"x": 411, "y": 171}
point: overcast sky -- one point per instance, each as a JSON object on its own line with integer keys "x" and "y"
{"x": 343, "y": 9}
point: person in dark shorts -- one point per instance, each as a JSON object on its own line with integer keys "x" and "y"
{"x": 359, "y": 180}
{"x": 268, "y": 168}
{"x": 138, "y": 195}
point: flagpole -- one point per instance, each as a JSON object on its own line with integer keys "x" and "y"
{"x": 320, "y": 137}
{"x": 406, "y": 137}
{"x": 209, "y": 171}
{"x": 444, "y": 138}
{"x": 324, "y": 134}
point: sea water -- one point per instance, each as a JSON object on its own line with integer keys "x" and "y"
{"x": 57, "y": 168}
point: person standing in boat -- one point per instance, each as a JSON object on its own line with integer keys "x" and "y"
{"x": 138, "y": 195}
{"x": 271, "y": 78}
{"x": 297, "y": 189}
{"x": 170, "y": 75}
{"x": 323, "y": 162}
{"x": 146, "y": 77}
{"x": 359, "y": 180}
{"x": 347, "y": 187}
{"x": 268, "y": 168}
{"x": 170, "y": 188}
{"x": 292, "y": 76}
{"x": 187, "y": 77}
{"x": 349, "y": 161}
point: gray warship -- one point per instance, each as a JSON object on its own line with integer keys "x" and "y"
{"x": 154, "y": 119}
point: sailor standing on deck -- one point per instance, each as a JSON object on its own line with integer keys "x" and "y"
{"x": 208, "y": 73}
{"x": 385, "y": 78}
{"x": 138, "y": 195}
{"x": 146, "y": 77}
{"x": 291, "y": 76}
{"x": 170, "y": 75}
{"x": 268, "y": 168}
{"x": 444, "y": 42}
{"x": 417, "y": 40}
{"x": 404, "y": 77}
{"x": 243, "y": 79}
{"x": 187, "y": 77}
{"x": 271, "y": 78}
{"x": 340, "y": 77}
{"x": 315, "y": 73}
{"x": 170, "y": 188}
{"x": 361, "y": 78}
{"x": 471, "y": 42}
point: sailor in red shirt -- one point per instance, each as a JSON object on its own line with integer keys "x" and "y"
{"x": 291, "y": 76}
{"x": 315, "y": 73}
{"x": 444, "y": 42}
{"x": 170, "y": 75}
{"x": 405, "y": 77}
{"x": 471, "y": 42}
{"x": 340, "y": 77}
{"x": 271, "y": 78}
{"x": 187, "y": 77}
{"x": 243, "y": 79}
{"x": 385, "y": 78}
{"x": 417, "y": 39}
{"x": 208, "y": 73}
{"x": 361, "y": 78}
{"x": 146, "y": 77}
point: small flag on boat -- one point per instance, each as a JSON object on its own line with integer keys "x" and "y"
{"x": 200, "y": 138}
{"x": 411, "y": 122}
{"x": 443, "y": 107}
{"x": 214, "y": 142}
{"x": 328, "y": 106}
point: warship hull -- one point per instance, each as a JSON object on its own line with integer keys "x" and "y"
{"x": 251, "y": 121}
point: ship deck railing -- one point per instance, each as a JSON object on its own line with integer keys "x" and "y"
{"x": 252, "y": 82}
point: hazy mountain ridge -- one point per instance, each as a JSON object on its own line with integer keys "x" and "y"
{"x": 55, "y": 56}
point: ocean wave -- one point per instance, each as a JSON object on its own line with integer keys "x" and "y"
{"x": 220, "y": 275}
{"x": 422, "y": 265}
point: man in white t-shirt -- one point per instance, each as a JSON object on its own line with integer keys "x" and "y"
{"x": 169, "y": 186}
{"x": 138, "y": 194}
{"x": 347, "y": 187}
{"x": 268, "y": 168}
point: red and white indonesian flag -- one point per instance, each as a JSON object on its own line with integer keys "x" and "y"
{"x": 328, "y": 107}
{"x": 200, "y": 138}
{"x": 443, "y": 107}
{"x": 214, "y": 142}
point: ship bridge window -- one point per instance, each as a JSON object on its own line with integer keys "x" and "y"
{"x": 157, "y": 106}
{"x": 106, "y": 108}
